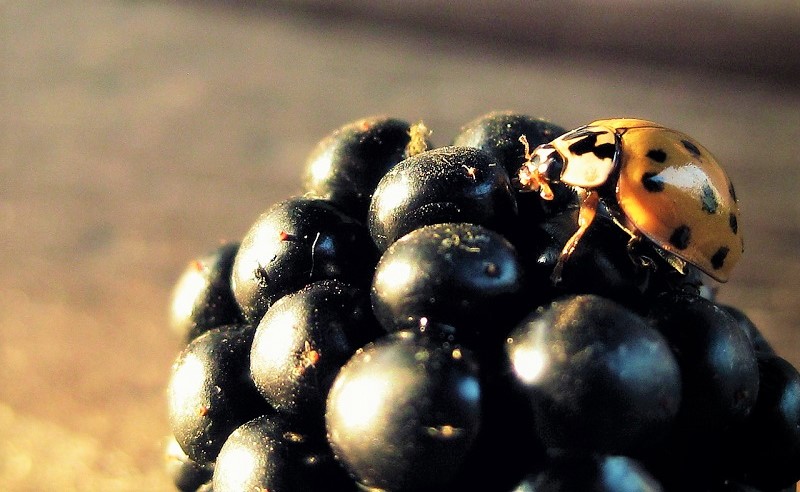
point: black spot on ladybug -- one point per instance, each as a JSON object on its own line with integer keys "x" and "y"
{"x": 652, "y": 182}
{"x": 589, "y": 144}
{"x": 732, "y": 191}
{"x": 734, "y": 223}
{"x": 605, "y": 151}
{"x": 584, "y": 145}
{"x": 657, "y": 155}
{"x": 719, "y": 258}
{"x": 692, "y": 148}
{"x": 680, "y": 237}
{"x": 709, "y": 199}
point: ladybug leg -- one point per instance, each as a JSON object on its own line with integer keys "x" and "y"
{"x": 638, "y": 257}
{"x": 636, "y": 249}
{"x": 585, "y": 217}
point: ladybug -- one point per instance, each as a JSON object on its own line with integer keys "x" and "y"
{"x": 656, "y": 183}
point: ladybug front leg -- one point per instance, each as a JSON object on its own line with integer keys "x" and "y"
{"x": 636, "y": 252}
{"x": 586, "y": 215}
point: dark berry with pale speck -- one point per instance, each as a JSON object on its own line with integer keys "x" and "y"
{"x": 448, "y": 184}
{"x": 210, "y": 392}
{"x": 304, "y": 339}
{"x": 271, "y": 454}
{"x": 296, "y": 242}
{"x": 346, "y": 165}
{"x": 498, "y": 133}
{"x": 461, "y": 275}
{"x": 404, "y": 412}
{"x": 202, "y": 297}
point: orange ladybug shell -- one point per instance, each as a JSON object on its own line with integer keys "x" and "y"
{"x": 673, "y": 191}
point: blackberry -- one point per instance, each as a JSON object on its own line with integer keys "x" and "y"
{"x": 304, "y": 339}
{"x": 346, "y": 166}
{"x": 498, "y": 133}
{"x": 210, "y": 392}
{"x": 456, "y": 275}
{"x": 404, "y": 411}
{"x": 600, "y": 379}
{"x": 448, "y": 184}
{"x": 187, "y": 475}
{"x": 397, "y": 327}
{"x": 268, "y": 453}
{"x": 293, "y": 244}
{"x": 202, "y": 298}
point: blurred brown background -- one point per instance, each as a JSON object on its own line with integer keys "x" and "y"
{"x": 134, "y": 135}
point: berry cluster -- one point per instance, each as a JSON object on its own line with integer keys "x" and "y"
{"x": 395, "y": 327}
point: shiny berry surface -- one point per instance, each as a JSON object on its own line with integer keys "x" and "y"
{"x": 293, "y": 244}
{"x": 346, "y": 165}
{"x": 718, "y": 362}
{"x": 599, "y": 377}
{"x": 404, "y": 412}
{"x": 462, "y": 275}
{"x": 210, "y": 392}
{"x": 304, "y": 339}
{"x": 202, "y": 297}
{"x": 268, "y": 454}
{"x": 498, "y": 133}
{"x": 448, "y": 184}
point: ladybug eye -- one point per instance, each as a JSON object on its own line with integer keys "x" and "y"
{"x": 551, "y": 167}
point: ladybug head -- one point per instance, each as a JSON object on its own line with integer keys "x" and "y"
{"x": 542, "y": 168}
{"x": 549, "y": 162}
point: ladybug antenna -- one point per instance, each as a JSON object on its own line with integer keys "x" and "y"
{"x": 524, "y": 140}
